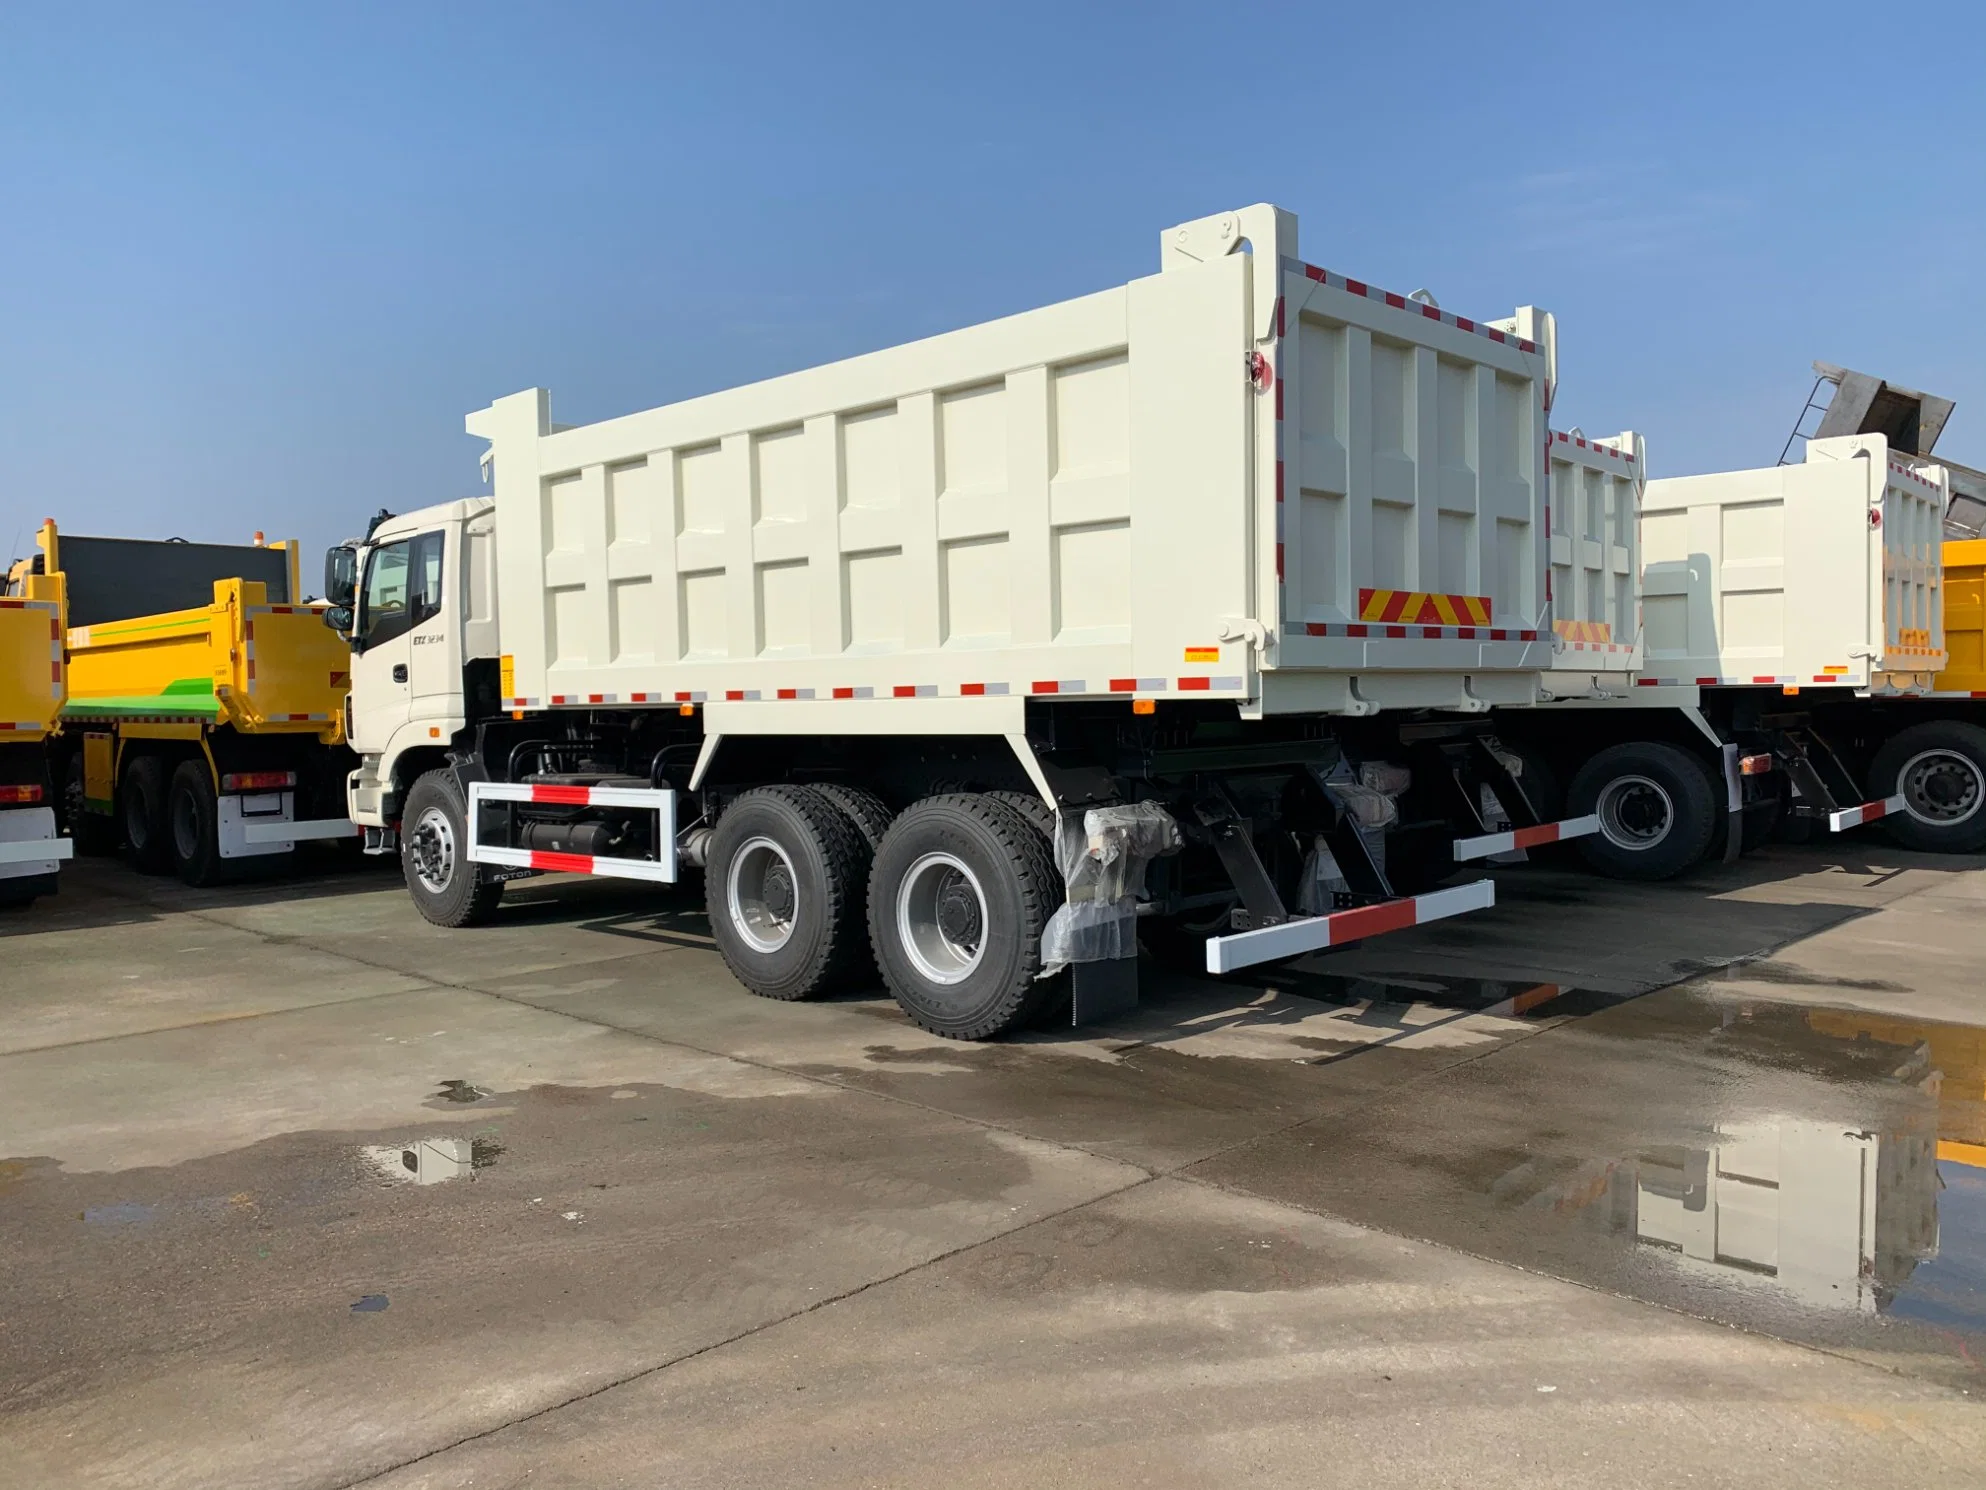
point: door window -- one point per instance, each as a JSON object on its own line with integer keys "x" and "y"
{"x": 402, "y": 588}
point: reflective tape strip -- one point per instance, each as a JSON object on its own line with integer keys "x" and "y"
{"x": 1419, "y": 607}
{"x": 1516, "y": 838}
{"x": 1559, "y": 437}
{"x": 1407, "y": 303}
{"x": 533, "y": 858}
{"x": 1399, "y": 631}
{"x": 1868, "y": 812}
{"x": 1226, "y": 954}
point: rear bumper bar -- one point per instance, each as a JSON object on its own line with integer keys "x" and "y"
{"x": 1868, "y": 812}
{"x": 1227, "y": 954}
{"x": 1516, "y": 838}
{"x": 279, "y": 832}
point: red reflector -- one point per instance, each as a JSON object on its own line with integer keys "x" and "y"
{"x": 258, "y": 781}
{"x": 20, "y": 794}
{"x": 1754, "y": 765}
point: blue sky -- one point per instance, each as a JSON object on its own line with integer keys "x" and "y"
{"x": 258, "y": 261}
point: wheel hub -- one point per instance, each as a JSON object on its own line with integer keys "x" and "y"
{"x": 762, "y": 895}
{"x": 1941, "y": 787}
{"x": 941, "y": 918}
{"x": 1635, "y": 812}
{"x": 431, "y": 849}
{"x": 958, "y": 912}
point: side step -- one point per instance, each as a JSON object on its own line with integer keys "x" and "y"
{"x": 1868, "y": 812}
{"x": 1227, "y": 954}
{"x": 1516, "y": 838}
{"x": 659, "y": 800}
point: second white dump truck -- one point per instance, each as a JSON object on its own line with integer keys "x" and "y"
{"x": 1173, "y": 611}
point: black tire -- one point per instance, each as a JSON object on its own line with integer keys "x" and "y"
{"x": 1656, "y": 807}
{"x": 784, "y": 883}
{"x": 94, "y": 834}
{"x": 1031, "y": 807}
{"x": 1939, "y": 768}
{"x": 991, "y": 941}
{"x": 870, "y": 814}
{"x": 193, "y": 828}
{"x": 144, "y": 813}
{"x": 434, "y": 837}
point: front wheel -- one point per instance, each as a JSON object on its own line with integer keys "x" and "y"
{"x": 962, "y": 889}
{"x": 1939, "y": 769}
{"x": 1656, "y": 810}
{"x": 434, "y": 855}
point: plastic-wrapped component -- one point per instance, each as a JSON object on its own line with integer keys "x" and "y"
{"x": 1384, "y": 776}
{"x": 1369, "y": 810}
{"x": 1323, "y": 881}
{"x": 1103, "y": 855}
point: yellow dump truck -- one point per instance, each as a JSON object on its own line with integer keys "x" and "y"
{"x": 32, "y": 685}
{"x": 204, "y": 724}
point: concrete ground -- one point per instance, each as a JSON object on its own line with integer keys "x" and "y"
{"x": 1608, "y": 1185}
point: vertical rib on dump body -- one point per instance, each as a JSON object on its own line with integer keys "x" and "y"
{"x": 1243, "y": 478}
{"x": 1820, "y": 574}
{"x": 1596, "y": 561}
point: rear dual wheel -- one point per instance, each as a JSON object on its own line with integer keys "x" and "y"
{"x": 962, "y": 888}
{"x": 1656, "y": 809}
{"x": 783, "y": 885}
{"x": 1939, "y": 769}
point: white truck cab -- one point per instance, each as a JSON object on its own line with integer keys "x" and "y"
{"x": 421, "y": 591}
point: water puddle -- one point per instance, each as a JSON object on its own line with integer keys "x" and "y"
{"x": 1845, "y": 1175}
{"x": 432, "y": 1161}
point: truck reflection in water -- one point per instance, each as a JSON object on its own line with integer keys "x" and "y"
{"x": 1889, "y": 1219}
{"x": 1838, "y": 1219}
{"x": 431, "y": 1161}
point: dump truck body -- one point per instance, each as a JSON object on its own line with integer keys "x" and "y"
{"x": 1215, "y": 574}
{"x": 33, "y": 682}
{"x": 208, "y": 734}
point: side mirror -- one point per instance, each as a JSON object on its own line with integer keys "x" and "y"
{"x": 339, "y": 619}
{"x": 341, "y": 576}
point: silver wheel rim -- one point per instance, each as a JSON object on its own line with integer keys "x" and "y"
{"x": 941, "y": 918}
{"x": 431, "y": 849}
{"x": 1635, "y": 813}
{"x": 762, "y": 895}
{"x": 186, "y": 825}
{"x": 1942, "y": 788}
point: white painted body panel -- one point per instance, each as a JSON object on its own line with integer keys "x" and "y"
{"x": 1179, "y": 487}
{"x": 1820, "y": 574}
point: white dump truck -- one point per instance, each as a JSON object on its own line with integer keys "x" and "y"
{"x": 1176, "y": 611}
{"x": 1777, "y": 658}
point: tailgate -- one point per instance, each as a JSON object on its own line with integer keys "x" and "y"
{"x": 31, "y": 672}
{"x": 294, "y": 670}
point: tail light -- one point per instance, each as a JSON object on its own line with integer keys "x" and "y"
{"x": 258, "y": 781}
{"x": 1754, "y": 765}
{"x": 20, "y": 794}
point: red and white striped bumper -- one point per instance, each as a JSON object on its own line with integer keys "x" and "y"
{"x": 1868, "y": 812}
{"x": 1516, "y": 838}
{"x": 1226, "y": 954}
{"x": 659, "y": 800}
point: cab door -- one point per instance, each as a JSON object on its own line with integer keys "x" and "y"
{"x": 401, "y": 592}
